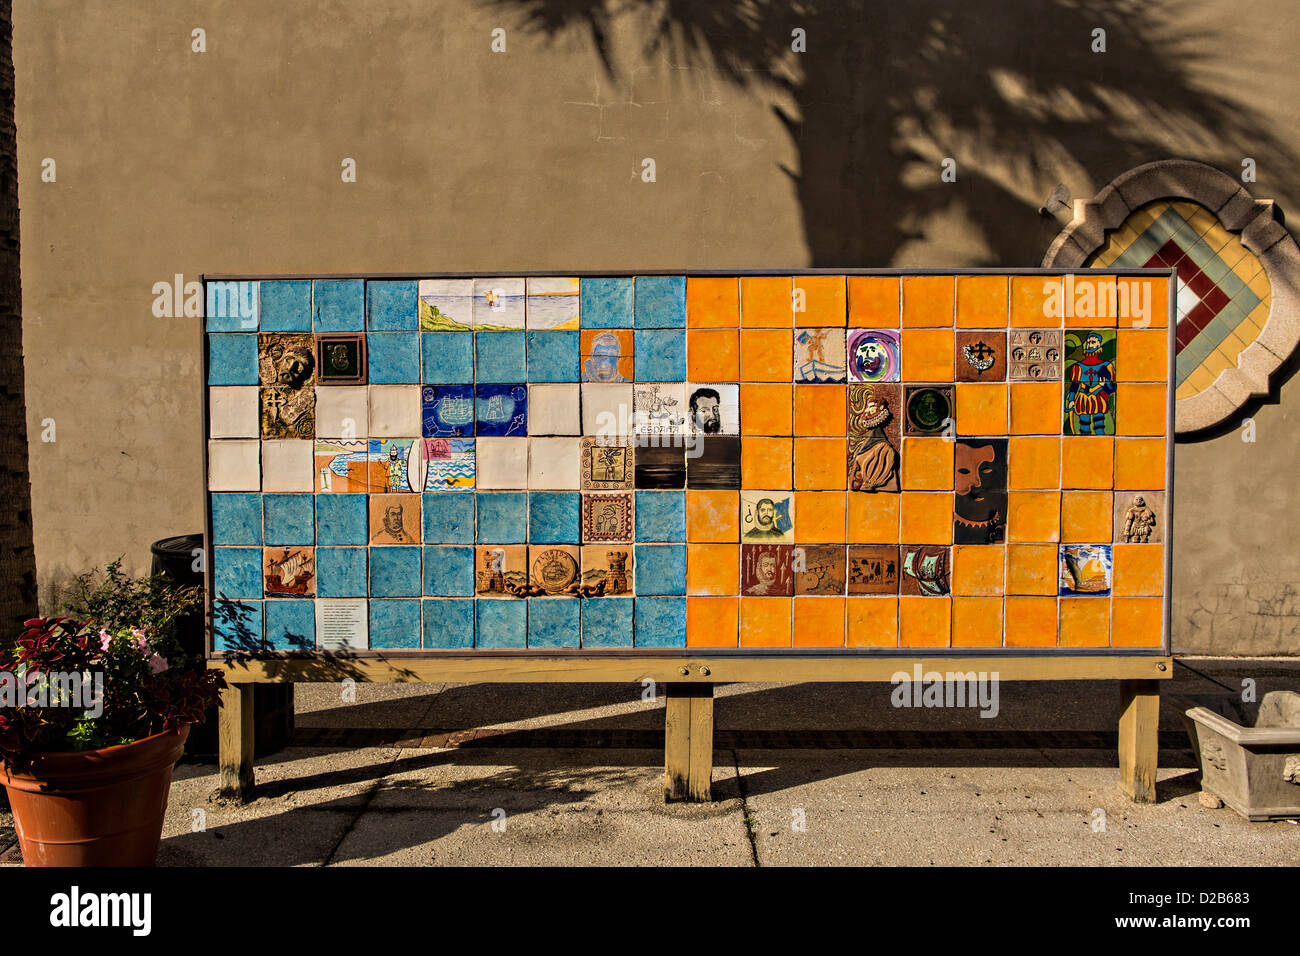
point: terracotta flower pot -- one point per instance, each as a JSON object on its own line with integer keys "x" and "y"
{"x": 95, "y": 807}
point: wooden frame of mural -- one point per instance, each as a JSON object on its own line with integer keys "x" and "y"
{"x": 1031, "y": 503}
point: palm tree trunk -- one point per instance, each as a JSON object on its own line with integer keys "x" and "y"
{"x": 17, "y": 552}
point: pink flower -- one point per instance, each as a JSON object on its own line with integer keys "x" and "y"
{"x": 157, "y": 663}
{"x": 105, "y": 639}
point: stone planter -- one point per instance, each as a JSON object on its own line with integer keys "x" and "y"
{"x": 1249, "y": 753}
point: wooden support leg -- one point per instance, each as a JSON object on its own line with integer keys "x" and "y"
{"x": 235, "y": 741}
{"x": 1139, "y": 729}
{"x": 688, "y": 744}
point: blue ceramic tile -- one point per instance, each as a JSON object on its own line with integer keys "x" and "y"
{"x": 342, "y": 519}
{"x": 395, "y": 623}
{"x": 231, "y": 307}
{"x": 237, "y": 573}
{"x": 660, "y": 515}
{"x": 237, "y": 518}
{"x": 392, "y": 305}
{"x": 341, "y": 572}
{"x": 447, "y": 358}
{"x": 606, "y": 303}
{"x": 552, "y": 356}
{"x": 286, "y": 305}
{"x": 448, "y": 571}
{"x": 338, "y": 305}
{"x": 232, "y": 358}
{"x": 660, "y": 621}
{"x": 448, "y": 623}
{"x": 393, "y": 358}
{"x": 553, "y": 622}
{"x": 500, "y": 622}
{"x": 395, "y": 572}
{"x": 237, "y": 625}
{"x": 502, "y": 517}
{"x": 289, "y": 519}
{"x": 659, "y": 355}
{"x": 448, "y": 410}
{"x": 660, "y": 569}
{"x": 448, "y": 517}
{"x": 502, "y": 410}
{"x": 661, "y": 302}
{"x": 607, "y": 622}
{"x": 499, "y": 357}
{"x": 290, "y": 625}
{"x": 554, "y": 517}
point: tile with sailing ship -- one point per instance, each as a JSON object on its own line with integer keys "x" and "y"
{"x": 289, "y": 572}
{"x": 925, "y": 570}
{"x": 1034, "y": 355}
{"x": 1085, "y": 570}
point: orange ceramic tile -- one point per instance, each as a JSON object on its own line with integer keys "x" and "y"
{"x": 872, "y": 622}
{"x": 1087, "y": 517}
{"x": 1034, "y": 516}
{"x": 1140, "y": 409}
{"x": 1086, "y": 462}
{"x": 1037, "y": 408}
{"x": 712, "y": 302}
{"x": 821, "y": 516}
{"x": 977, "y": 622}
{"x": 1085, "y": 622}
{"x": 982, "y": 408}
{"x": 928, "y": 302}
{"x": 713, "y": 355}
{"x": 712, "y": 621}
{"x": 713, "y": 569}
{"x": 924, "y": 621}
{"x": 820, "y": 463}
{"x": 824, "y": 300}
{"x": 712, "y": 515}
{"x": 1138, "y": 570}
{"x": 821, "y": 410}
{"x": 765, "y": 410}
{"x": 1089, "y": 301}
{"x": 982, "y": 302}
{"x": 1159, "y": 305}
{"x": 1032, "y": 568}
{"x": 766, "y": 302}
{"x": 927, "y": 355}
{"x": 927, "y": 464}
{"x": 874, "y": 302}
{"x": 1029, "y": 302}
{"x": 765, "y": 621}
{"x": 978, "y": 569}
{"x": 1031, "y": 621}
{"x": 766, "y": 463}
{"x": 873, "y": 518}
{"x": 1139, "y": 463}
{"x": 1142, "y": 355}
{"x": 1034, "y": 462}
{"x": 926, "y": 518}
{"x": 766, "y": 355}
{"x": 819, "y": 622}
{"x": 1136, "y": 622}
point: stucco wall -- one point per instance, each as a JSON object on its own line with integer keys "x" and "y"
{"x": 171, "y": 161}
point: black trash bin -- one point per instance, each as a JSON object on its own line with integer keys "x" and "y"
{"x": 175, "y": 559}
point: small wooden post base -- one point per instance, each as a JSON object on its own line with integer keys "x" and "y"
{"x": 235, "y": 741}
{"x": 1139, "y": 728}
{"x": 688, "y": 743}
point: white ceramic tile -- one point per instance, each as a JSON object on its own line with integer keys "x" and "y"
{"x": 555, "y": 463}
{"x": 499, "y": 303}
{"x": 501, "y": 463}
{"x": 659, "y": 408}
{"x": 232, "y": 411}
{"x": 553, "y": 302}
{"x": 719, "y": 416}
{"x": 554, "y": 410}
{"x": 394, "y": 411}
{"x": 342, "y": 624}
{"x": 454, "y": 301}
{"x": 233, "y": 465}
{"x": 607, "y": 409}
{"x": 287, "y": 465}
{"x": 342, "y": 411}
